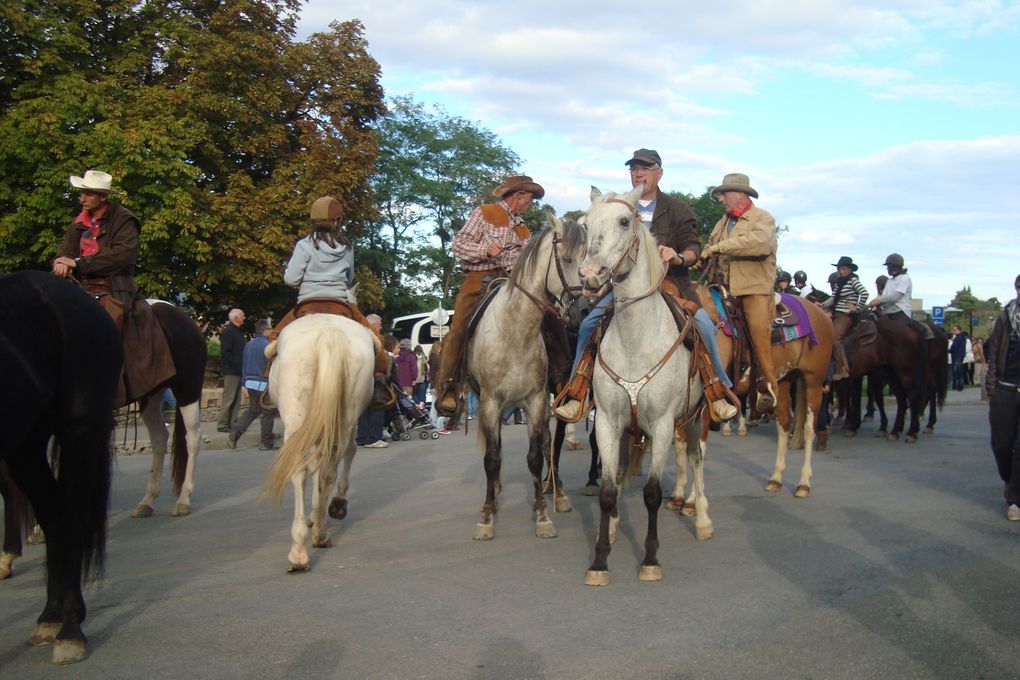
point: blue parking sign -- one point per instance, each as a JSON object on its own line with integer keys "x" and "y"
{"x": 938, "y": 315}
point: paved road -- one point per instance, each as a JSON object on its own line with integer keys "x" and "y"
{"x": 900, "y": 565}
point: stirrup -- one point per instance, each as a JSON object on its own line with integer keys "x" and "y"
{"x": 447, "y": 401}
{"x": 568, "y": 413}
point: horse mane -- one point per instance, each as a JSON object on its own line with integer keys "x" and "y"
{"x": 573, "y": 239}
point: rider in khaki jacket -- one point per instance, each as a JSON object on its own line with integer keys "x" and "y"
{"x": 743, "y": 246}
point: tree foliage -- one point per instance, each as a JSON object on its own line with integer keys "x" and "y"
{"x": 431, "y": 170}
{"x": 219, "y": 129}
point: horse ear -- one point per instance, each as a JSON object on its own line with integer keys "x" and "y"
{"x": 635, "y": 194}
{"x": 595, "y": 193}
{"x": 352, "y": 294}
{"x": 555, "y": 224}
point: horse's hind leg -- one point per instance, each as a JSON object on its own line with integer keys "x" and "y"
{"x": 489, "y": 419}
{"x": 807, "y": 411}
{"x": 297, "y": 559}
{"x": 322, "y": 481}
{"x": 703, "y": 528}
{"x": 553, "y": 483}
{"x": 153, "y": 419}
{"x": 775, "y": 482}
{"x": 190, "y": 415}
{"x": 338, "y": 506}
{"x": 676, "y": 500}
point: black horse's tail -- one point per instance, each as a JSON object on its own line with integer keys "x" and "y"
{"x": 941, "y": 382}
{"x": 178, "y": 453}
{"x": 84, "y": 465}
{"x": 920, "y": 391}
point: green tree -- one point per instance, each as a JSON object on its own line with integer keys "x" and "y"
{"x": 432, "y": 169}
{"x": 218, "y": 127}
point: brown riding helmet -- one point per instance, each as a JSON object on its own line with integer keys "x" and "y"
{"x": 894, "y": 260}
{"x": 326, "y": 210}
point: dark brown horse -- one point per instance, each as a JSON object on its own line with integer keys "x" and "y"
{"x": 60, "y": 355}
{"x": 902, "y": 348}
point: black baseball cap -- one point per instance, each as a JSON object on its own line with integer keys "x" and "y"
{"x": 645, "y": 157}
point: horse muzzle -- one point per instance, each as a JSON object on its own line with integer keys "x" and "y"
{"x": 593, "y": 276}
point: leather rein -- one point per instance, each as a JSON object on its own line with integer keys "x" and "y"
{"x": 553, "y": 305}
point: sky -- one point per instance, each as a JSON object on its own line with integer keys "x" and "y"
{"x": 867, "y": 126}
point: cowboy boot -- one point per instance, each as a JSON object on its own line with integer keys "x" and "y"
{"x": 572, "y": 403}
{"x": 723, "y": 404}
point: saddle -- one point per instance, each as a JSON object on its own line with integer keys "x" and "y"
{"x": 323, "y": 306}
{"x": 100, "y": 290}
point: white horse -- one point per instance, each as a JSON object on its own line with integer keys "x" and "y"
{"x": 508, "y": 364}
{"x": 322, "y": 382}
{"x": 643, "y": 380}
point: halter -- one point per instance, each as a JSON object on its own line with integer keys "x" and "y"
{"x": 553, "y": 305}
{"x": 630, "y": 253}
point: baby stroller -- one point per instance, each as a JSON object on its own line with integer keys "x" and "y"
{"x": 416, "y": 418}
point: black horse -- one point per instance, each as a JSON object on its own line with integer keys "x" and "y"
{"x": 61, "y": 357}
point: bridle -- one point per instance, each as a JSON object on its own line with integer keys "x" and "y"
{"x": 630, "y": 253}
{"x": 553, "y": 305}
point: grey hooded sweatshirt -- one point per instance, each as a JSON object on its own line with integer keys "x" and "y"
{"x": 318, "y": 270}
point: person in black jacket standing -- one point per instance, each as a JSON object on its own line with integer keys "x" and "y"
{"x": 232, "y": 344}
{"x": 1002, "y": 380}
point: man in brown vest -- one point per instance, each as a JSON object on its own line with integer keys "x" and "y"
{"x": 100, "y": 249}
{"x": 488, "y": 246}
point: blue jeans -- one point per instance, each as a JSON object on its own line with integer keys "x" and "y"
{"x": 701, "y": 318}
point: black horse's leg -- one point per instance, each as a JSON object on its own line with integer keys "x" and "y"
{"x": 595, "y": 467}
{"x": 14, "y": 508}
{"x": 489, "y": 419}
{"x": 538, "y": 445}
{"x": 650, "y": 569}
{"x": 598, "y": 572}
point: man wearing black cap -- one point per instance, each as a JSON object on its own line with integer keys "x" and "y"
{"x": 848, "y": 297}
{"x": 674, "y": 226}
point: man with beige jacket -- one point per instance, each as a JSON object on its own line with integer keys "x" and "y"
{"x": 743, "y": 247}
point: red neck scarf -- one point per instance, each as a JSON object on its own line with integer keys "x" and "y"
{"x": 744, "y": 206}
{"x": 89, "y": 245}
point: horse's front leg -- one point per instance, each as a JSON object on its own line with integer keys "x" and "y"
{"x": 811, "y": 405}
{"x": 14, "y": 506}
{"x": 158, "y": 435}
{"x": 191, "y": 417}
{"x": 538, "y": 445}
{"x": 609, "y": 500}
{"x": 297, "y": 559}
{"x": 703, "y": 529}
{"x": 775, "y": 482}
{"x": 489, "y": 418}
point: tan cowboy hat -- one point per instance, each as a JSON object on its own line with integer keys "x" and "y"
{"x": 519, "y": 183}
{"x": 94, "y": 180}
{"x": 736, "y": 181}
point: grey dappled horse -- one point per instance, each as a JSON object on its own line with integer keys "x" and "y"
{"x": 643, "y": 381}
{"x": 508, "y": 365}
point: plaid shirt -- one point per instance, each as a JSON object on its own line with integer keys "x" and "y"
{"x": 474, "y": 239}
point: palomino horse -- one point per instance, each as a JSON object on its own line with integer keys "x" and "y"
{"x": 508, "y": 364}
{"x": 60, "y": 355}
{"x": 188, "y": 350}
{"x": 322, "y": 381}
{"x": 644, "y": 380}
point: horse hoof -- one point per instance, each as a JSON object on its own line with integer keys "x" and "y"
{"x": 929, "y": 430}
{"x": 704, "y": 533}
{"x": 850, "y": 434}
{"x": 562, "y": 504}
{"x": 6, "y": 572}
{"x": 573, "y": 445}
{"x": 910, "y": 439}
{"x": 773, "y": 486}
{"x": 36, "y": 536}
{"x": 545, "y": 530}
{"x": 726, "y": 432}
{"x": 44, "y": 634}
{"x": 484, "y": 532}
{"x": 650, "y": 572}
{"x": 688, "y": 510}
{"x": 295, "y": 568}
{"x": 675, "y": 503}
{"x": 803, "y": 491}
{"x": 892, "y": 437}
{"x": 338, "y": 508}
{"x": 596, "y": 578}
{"x": 142, "y": 511}
{"x": 181, "y": 510}
{"x": 591, "y": 490}
{"x": 69, "y": 651}
{"x": 322, "y": 543}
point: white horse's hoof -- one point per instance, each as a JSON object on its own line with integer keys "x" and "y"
{"x": 596, "y": 578}
{"x": 545, "y": 530}
{"x": 675, "y": 503}
{"x": 322, "y": 543}
{"x": 44, "y": 634}
{"x": 562, "y": 504}
{"x": 704, "y": 533}
{"x": 803, "y": 491}
{"x": 591, "y": 490}
{"x": 910, "y": 439}
{"x": 726, "y": 432}
{"x": 650, "y": 572}
{"x": 294, "y": 568}
{"x": 69, "y": 651}
{"x": 142, "y": 511}
{"x": 773, "y": 486}
{"x": 688, "y": 510}
{"x": 181, "y": 510}
{"x": 484, "y": 532}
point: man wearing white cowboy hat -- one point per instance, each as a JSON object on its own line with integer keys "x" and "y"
{"x": 488, "y": 246}
{"x": 848, "y": 297}
{"x": 100, "y": 249}
{"x": 743, "y": 249}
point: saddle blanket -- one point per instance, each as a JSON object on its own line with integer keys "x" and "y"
{"x": 720, "y": 308}
{"x": 792, "y": 326}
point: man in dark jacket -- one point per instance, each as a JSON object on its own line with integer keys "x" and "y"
{"x": 1002, "y": 380}
{"x": 254, "y": 368}
{"x": 957, "y": 350}
{"x": 100, "y": 249}
{"x": 232, "y": 344}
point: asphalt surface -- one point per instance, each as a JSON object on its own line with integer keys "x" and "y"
{"x": 900, "y": 565}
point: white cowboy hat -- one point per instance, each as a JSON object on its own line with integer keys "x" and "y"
{"x": 94, "y": 180}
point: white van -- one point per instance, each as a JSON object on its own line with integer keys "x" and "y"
{"x": 420, "y": 329}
